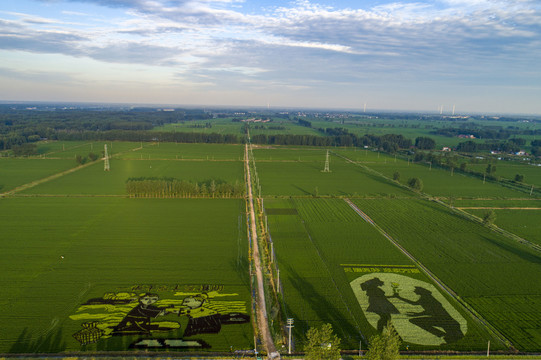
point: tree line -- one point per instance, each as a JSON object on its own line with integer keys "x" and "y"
{"x": 388, "y": 142}
{"x": 485, "y": 133}
{"x": 152, "y": 187}
{"x": 19, "y": 126}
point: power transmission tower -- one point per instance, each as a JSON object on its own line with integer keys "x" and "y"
{"x": 106, "y": 166}
{"x": 327, "y": 163}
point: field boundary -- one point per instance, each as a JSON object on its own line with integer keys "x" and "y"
{"x": 493, "y": 227}
{"x": 46, "y": 179}
{"x": 496, "y": 208}
{"x": 433, "y": 277}
{"x": 358, "y": 326}
{"x": 260, "y": 300}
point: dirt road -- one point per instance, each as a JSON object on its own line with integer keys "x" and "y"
{"x": 261, "y": 308}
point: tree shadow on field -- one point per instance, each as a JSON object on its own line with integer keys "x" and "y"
{"x": 302, "y": 190}
{"x": 380, "y": 179}
{"x": 52, "y": 342}
{"x": 325, "y": 308}
{"x": 242, "y": 267}
{"x": 525, "y": 254}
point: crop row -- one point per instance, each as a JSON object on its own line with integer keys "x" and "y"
{"x": 314, "y": 248}
{"x": 466, "y": 256}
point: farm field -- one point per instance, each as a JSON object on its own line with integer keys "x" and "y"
{"x": 92, "y": 180}
{"x": 487, "y": 270}
{"x": 439, "y": 182}
{"x": 74, "y": 267}
{"x": 532, "y": 174}
{"x": 174, "y": 151}
{"x": 522, "y": 222}
{"x": 499, "y": 203}
{"x": 79, "y": 255}
{"x": 333, "y": 267}
{"x": 70, "y": 149}
{"x": 306, "y": 178}
{"x": 17, "y": 171}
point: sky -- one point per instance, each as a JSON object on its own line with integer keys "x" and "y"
{"x": 474, "y": 55}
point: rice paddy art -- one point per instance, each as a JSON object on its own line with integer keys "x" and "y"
{"x": 418, "y": 311}
{"x": 155, "y": 316}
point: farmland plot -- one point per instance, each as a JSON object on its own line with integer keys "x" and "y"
{"x": 440, "y": 182}
{"x": 473, "y": 261}
{"x": 174, "y": 151}
{"x": 19, "y": 171}
{"x": 336, "y": 268}
{"x": 70, "y": 149}
{"x": 77, "y": 271}
{"x": 92, "y": 180}
{"x": 522, "y": 222}
{"x": 508, "y": 170}
{"x": 307, "y": 178}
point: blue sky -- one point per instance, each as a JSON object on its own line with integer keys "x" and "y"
{"x": 479, "y": 55}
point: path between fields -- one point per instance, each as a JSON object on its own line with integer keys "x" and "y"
{"x": 261, "y": 307}
{"x": 49, "y": 178}
{"x": 437, "y": 281}
{"x": 57, "y": 175}
{"x": 497, "y": 208}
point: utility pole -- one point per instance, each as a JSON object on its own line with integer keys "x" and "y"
{"x": 289, "y": 326}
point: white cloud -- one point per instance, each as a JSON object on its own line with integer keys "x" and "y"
{"x": 300, "y": 45}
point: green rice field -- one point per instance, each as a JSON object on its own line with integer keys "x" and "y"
{"x": 334, "y": 265}
{"x": 473, "y": 261}
{"x": 60, "y": 253}
{"x": 17, "y": 172}
{"x": 86, "y": 268}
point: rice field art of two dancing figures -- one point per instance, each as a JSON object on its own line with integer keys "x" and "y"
{"x": 418, "y": 311}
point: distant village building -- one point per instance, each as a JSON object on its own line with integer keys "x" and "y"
{"x": 463, "y": 136}
{"x": 445, "y": 148}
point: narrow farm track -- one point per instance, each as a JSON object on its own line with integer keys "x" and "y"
{"x": 44, "y": 180}
{"x": 497, "y": 208}
{"x": 424, "y": 269}
{"x": 261, "y": 307}
{"x": 57, "y": 175}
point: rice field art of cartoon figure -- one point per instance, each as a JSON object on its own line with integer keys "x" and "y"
{"x": 148, "y": 314}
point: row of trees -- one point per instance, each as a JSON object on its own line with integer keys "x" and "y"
{"x": 509, "y": 146}
{"x": 19, "y": 126}
{"x": 84, "y": 159}
{"x": 485, "y": 132}
{"x": 149, "y": 187}
{"x": 388, "y": 142}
